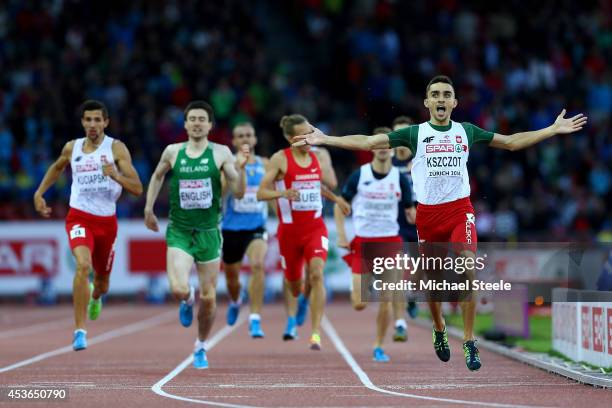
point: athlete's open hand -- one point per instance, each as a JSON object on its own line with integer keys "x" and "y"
{"x": 569, "y": 125}
{"x": 314, "y": 138}
{"x": 291, "y": 194}
{"x": 151, "y": 221}
{"x": 242, "y": 157}
{"x": 41, "y": 206}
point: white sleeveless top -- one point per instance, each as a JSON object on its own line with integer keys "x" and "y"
{"x": 375, "y": 206}
{"x": 91, "y": 191}
{"x": 439, "y": 169}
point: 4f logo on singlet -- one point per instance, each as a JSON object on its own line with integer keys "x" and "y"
{"x": 428, "y": 139}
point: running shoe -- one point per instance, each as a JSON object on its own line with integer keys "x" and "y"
{"x": 79, "y": 340}
{"x": 291, "y": 330}
{"x": 315, "y": 341}
{"x": 302, "y": 309}
{"x": 440, "y": 343}
{"x": 472, "y": 357}
{"x": 232, "y": 313}
{"x": 412, "y": 309}
{"x": 255, "y": 329}
{"x": 95, "y": 305}
{"x": 199, "y": 359}
{"x": 185, "y": 313}
{"x": 380, "y": 356}
{"x": 401, "y": 334}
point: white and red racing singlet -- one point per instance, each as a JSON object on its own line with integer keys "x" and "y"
{"x": 307, "y": 181}
{"x": 376, "y": 204}
{"x": 92, "y": 191}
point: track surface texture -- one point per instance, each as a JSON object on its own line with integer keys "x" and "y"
{"x": 140, "y": 356}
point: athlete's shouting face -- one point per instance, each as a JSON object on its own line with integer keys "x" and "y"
{"x": 244, "y": 134}
{"x": 94, "y": 123}
{"x": 197, "y": 124}
{"x": 440, "y": 101}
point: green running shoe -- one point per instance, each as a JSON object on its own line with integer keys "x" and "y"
{"x": 95, "y": 305}
{"x": 472, "y": 357}
{"x": 440, "y": 343}
{"x": 315, "y": 341}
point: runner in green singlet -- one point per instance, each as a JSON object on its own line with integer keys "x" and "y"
{"x": 193, "y": 233}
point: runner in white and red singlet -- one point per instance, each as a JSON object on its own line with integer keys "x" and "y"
{"x": 377, "y": 193}
{"x": 440, "y": 148}
{"x": 294, "y": 179}
{"x": 101, "y": 168}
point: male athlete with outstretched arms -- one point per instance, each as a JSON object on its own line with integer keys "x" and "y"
{"x": 440, "y": 148}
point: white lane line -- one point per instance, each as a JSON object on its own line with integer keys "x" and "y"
{"x": 365, "y": 380}
{"x": 122, "y": 331}
{"x": 35, "y": 328}
{"x": 38, "y": 327}
{"x": 157, "y": 387}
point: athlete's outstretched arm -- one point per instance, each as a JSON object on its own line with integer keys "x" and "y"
{"x": 521, "y": 140}
{"x": 352, "y": 142}
{"x": 233, "y": 169}
{"x": 266, "y": 189}
{"x": 127, "y": 176}
{"x": 51, "y": 176}
{"x": 157, "y": 180}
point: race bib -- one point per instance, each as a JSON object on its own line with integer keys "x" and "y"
{"x": 443, "y": 165}
{"x": 310, "y": 196}
{"x": 249, "y": 203}
{"x": 93, "y": 183}
{"x": 195, "y": 194}
{"x": 380, "y": 209}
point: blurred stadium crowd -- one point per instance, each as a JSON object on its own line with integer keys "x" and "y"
{"x": 348, "y": 66}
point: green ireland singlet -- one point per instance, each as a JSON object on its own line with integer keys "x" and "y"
{"x": 195, "y": 205}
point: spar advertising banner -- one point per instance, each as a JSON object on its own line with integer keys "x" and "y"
{"x": 37, "y": 253}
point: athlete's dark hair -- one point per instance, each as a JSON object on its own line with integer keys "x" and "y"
{"x": 402, "y": 120}
{"x": 200, "y": 105}
{"x": 289, "y": 121}
{"x": 381, "y": 129}
{"x": 439, "y": 78}
{"x": 91, "y": 105}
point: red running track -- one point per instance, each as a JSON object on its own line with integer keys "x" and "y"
{"x": 135, "y": 355}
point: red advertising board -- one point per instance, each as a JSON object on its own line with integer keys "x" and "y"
{"x": 609, "y": 326}
{"x": 146, "y": 256}
{"x": 586, "y": 328}
{"x": 598, "y": 329}
{"x": 29, "y": 256}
